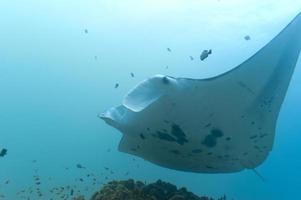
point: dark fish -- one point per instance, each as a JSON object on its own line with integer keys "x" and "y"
{"x": 3, "y": 152}
{"x": 247, "y": 37}
{"x": 132, "y": 75}
{"x": 168, "y": 49}
{"x": 79, "y": 166}
{"x": 116, "y": 85}
{"x": 205, "y": 54}
{"x": 86, "y": 31}
{"x": 191, "y": 58}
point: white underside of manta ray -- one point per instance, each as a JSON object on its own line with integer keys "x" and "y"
{"x": 217, "y": 125}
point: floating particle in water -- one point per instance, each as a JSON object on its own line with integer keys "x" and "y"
{"x": 191, "y": 58}
{"x": 86, "y": 31}
{"x": 132, "y": 74}
{"x": 116, "y": 85}
{"x": 168, "y": 49}
{"x": 247, "y": 37}
{"x": 3, "y": 152}
{"x": 205, "y": 54}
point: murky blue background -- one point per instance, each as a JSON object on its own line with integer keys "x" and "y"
{"x": 55, "y": 79}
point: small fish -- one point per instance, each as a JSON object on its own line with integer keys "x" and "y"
{"x": 168, "y": 49}
{"x": 191, "y": 58}
{"x": 116, "y": 85}
{"x": 86, "y": 31}
{"x": 205, "y": 54}
{"x": 3, "y": 152}
{"x": 79, "y": 166}
{"x": 247, "y": 37}
{"x": 132, "y": 75}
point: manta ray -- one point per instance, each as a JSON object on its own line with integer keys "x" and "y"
{"x": 222, "y": 124}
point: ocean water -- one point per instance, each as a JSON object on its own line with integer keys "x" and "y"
{"x": 60, "y": 61}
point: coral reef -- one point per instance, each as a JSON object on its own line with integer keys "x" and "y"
{"x": 136, "y": 190}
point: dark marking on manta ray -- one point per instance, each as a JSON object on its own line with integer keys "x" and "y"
{"x": 165, "y": 136}
{"x": 209, "y": 167}
{"x": 179, "y": 134}
{"x": 247, "y": 88}
{"x": 207, "y": 125}
{"x": 176, "y": 152}
{"x": 142, "y": 136}
{"x": 263, "y": 135}
{"x": 211, "y": 139}
{"x": 197, "y": 151}
{"x": 253, "y": 137}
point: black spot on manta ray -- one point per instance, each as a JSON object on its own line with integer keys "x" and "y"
{"x": 197, "y": 151}
{"x": 208, "y": 125}
{"x": 142, "y": 136}
{"x": 179, "y": 134}
{"x": 133, "y": 149}
{"x": 211, "y": 139}
{"x": 176, "y": 152}
{"x": 165, "y": 136}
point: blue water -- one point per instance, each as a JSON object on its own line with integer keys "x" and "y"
{"x": 52, "y": 87}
